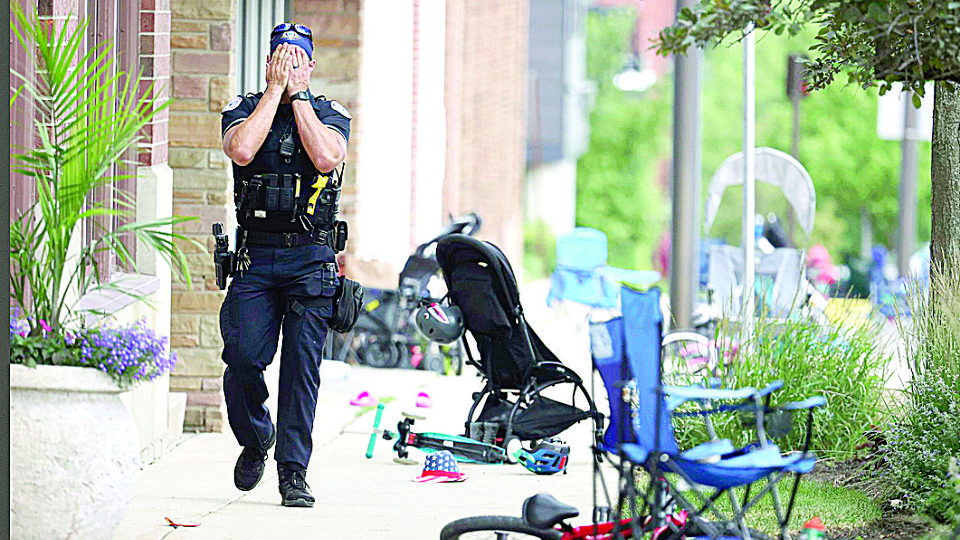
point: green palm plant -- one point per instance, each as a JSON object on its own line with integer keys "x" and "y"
{"x": 89, "y": 114}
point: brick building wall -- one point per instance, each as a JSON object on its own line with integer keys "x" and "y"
{"x": 486, "y": 125}
{"x": 202, "y": 48}
{"x": 155, "y": 62}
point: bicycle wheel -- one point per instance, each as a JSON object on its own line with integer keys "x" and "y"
{"x": 494, "y": 528}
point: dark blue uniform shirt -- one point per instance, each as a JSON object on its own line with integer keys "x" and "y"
{"x": 268, "y": 159}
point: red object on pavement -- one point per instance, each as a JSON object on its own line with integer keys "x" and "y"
{"x": 175, "y": 524}
{"x": 815, "y": 523}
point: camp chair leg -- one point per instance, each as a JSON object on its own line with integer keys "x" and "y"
{"x": 793, "y": 498}
{"x": 746, "y": 495}
{"x": 738, "y": 515}
{"x": 707, "y": 501}
{"x": 778, "y": 506}
{"x": 624, "y": 493}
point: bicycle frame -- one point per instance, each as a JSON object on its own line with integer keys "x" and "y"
{"x": 600, "y": 531}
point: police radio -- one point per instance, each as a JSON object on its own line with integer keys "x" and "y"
{"x": 223, "y": 259}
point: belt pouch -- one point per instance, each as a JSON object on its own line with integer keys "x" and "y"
{"x": 286, "y": 194}
{"x": 273, "y": 198}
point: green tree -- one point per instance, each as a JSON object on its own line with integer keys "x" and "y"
{"x": 850, "y": 166}
{"x": 617, "y": 191}
{"x": 874, "y": 42}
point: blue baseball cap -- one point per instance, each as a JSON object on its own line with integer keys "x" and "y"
{"x": 295, "y": 34}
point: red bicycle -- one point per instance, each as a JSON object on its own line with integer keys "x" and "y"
{"x": 546, "y": 518}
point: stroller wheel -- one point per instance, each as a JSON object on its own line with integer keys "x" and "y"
{"x": 434, "y": 363}
{"x": 511, "y": 446}
{"x": 382, "y": 353}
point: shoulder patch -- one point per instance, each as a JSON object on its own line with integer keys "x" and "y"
{"x": 340, "y": 108}
{"x": 233, "y": 104}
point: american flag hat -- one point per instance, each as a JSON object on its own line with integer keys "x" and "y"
{"x": 440, "y": 467}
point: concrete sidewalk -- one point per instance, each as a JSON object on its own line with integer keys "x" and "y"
{"x": 359, "y": 497}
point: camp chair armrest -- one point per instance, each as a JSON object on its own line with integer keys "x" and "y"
{"x": 809, "y": 403}
{"x": 678, "y": 395}
{"x": 770, "y": 388}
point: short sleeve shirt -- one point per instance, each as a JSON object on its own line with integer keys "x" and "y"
{"x": 330, "y": 112}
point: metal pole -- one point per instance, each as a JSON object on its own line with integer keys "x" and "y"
{"x": 908, "y": 186}
{"x": 795, "y": 152}
{"x": 749, "y": 161}
{"x": 685, "y": 231}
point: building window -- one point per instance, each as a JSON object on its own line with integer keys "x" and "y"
{"x": 119, "y": 20}
{"x": 256, "y": 18}
{"x": 22, "y": 190}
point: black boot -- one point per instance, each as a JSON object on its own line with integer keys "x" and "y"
{"x": 293, "y": 485}
{"x": 249, "y": 468}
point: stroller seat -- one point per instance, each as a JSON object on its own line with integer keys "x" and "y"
{"x": 517, "y": 367}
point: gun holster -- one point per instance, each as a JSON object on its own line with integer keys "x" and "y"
{"x": 224, "y": 260}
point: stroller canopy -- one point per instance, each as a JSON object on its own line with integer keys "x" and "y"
{"x": 482, "y": 284}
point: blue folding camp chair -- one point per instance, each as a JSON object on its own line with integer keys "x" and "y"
{"x": 582, "y": 274}
{"x": 626, "y": 353}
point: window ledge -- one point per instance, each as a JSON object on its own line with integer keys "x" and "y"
{"x": 124, "y": 288}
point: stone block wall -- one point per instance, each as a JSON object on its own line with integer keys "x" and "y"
{"x": 202, "y": 47}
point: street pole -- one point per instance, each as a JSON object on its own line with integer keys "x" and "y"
{"x": 795, "y": 152}
{"x": 908, "y": 186}
{"x": 685, "y": 230}
{"x": 749, "y": 164}
{"x": 795, "y": 89}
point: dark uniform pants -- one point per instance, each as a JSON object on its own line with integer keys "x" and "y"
{"x": 256, "y": 308}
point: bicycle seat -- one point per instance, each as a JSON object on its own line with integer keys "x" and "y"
{"x": 543, "y": 511}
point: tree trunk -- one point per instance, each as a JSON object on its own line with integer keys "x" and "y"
{"x": 945, "y": 179}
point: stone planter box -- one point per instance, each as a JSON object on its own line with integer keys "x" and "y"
{"x": 74, "y": 453}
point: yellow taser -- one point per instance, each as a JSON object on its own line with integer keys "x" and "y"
{"x": 318, "y": 186}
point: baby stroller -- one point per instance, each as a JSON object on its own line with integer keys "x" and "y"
{"x": 516, "y": 366}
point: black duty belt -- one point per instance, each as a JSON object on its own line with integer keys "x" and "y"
{"x": 259, "y": 238}
{"x": 335, "y": 237}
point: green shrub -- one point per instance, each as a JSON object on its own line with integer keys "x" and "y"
{"x": 845, "y": 364}
{"x": 944, "y": 503}
{"x": 618, "y": 190}
{"x": 926, "y": 435}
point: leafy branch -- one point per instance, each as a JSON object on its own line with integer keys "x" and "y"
{"x": 873, "y": 41}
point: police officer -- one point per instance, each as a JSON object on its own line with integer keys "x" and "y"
{"x": 286, "y": 146}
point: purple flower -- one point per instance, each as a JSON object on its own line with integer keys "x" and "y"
{"x": 45, "y": 326}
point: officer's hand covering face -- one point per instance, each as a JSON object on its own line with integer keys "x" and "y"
{"x": 287, "y": 62}
{"x": 289, "y": 37}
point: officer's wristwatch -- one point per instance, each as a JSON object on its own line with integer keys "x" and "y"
{"x": 301, "y": 95}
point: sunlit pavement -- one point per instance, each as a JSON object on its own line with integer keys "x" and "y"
{"x": 375, "y": 498}
{"x": 359, "y": 497}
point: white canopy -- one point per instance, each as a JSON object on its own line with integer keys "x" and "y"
{"x": 772, "y": 167}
